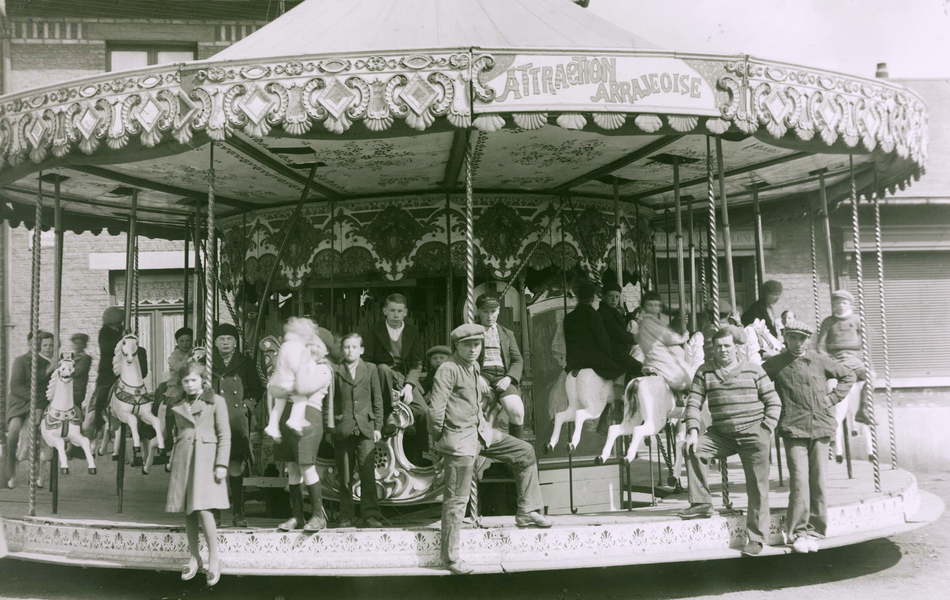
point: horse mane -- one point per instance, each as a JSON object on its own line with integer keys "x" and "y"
{"x": 55, "y": 384}
{"x": 117, "y": 357}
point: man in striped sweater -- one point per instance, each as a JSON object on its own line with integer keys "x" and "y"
{"x": 745, "y": 410}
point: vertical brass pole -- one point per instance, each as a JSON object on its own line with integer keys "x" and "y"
{"x": 57, "y": 321}
{"x": 692, "y": 267}
{"x": 618, "y": 234}
{"x": 759, "y": 239}
{"x": 726, "y": 232}
{"x": 450, "y": 278}
{"x": 826, "y": 221}
{"x": 187, "y": 272}
{"x": 681, "y": 275}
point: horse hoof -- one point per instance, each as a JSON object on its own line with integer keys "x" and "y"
{"x": 625, "y": 461}
{"x": 168, "y": 468}
{"x": 144, "y": 471}
{"x": 64, "y": 471}
{"x": 92, "y": 471}
{"x": 673, "y": 482}
{"x": 137, "y": 461}
{"x": 547, "y": 449}
{"x": 598, "y": 460}
{"x": 839, "y": 459}
{"x": 571, "y": 448}
{"x": 115, "y": 458}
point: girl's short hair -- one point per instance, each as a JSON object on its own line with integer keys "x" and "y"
{"x": 198, "y": 367}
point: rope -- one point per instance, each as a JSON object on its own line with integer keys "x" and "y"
{"x": 33, "y": 438}
{"x": 878, "y": 246}
{"x": 713, "y": 245}
{"x": 209, "y": 267}
{"x": 468, "y": 310}
{"x": 814, "y": 270}
{"x": 868, "y": 392}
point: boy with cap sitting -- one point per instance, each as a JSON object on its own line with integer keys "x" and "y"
{"x": 435, "y": 356}
{"x": 807, "y": 423}
{"x": 501, "y": 362}
{"x": 461, "y": 433}
{"x": 840, "y": 337}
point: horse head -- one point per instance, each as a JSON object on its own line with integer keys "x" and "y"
{"x": 66, "y": 369}
{"x": 60, "y": 390}
{"x": 128, "y": 346}
{"x": 125, "y": 356}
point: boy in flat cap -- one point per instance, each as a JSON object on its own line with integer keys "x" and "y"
{"x": 234, "y": 378}
{"x": 435, "y": 356}
{"x": 461, "y": 433}
{"x": 807, "y": 423}
{"x": 501, "y": 363}
{"x": 840, "y": 337}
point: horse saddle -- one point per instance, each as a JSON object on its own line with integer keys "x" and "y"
{"x": 56, "y": 419}
{"x": 136, "y": 396}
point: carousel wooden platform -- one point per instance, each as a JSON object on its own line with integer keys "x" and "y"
{"x": 87, "y": 531}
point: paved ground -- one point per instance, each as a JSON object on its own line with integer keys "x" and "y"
{"x": 910, "y": 566}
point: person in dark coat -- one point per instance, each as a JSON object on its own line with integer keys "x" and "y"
{"x": 235, "y": 379}
{"x": 501, "y": 362}
{"x": 395, "y": 347}
{"x": 585, "y": 336}
{"x": 199, "y": 464}
{"x": 83, "y": 364}
{"x": 358, "y": 414}
{"x": 621, "y": 340}
{"x": 18, "y": 399}
{"x": 435, "y": 356}
{"x": 113, "y": 319}
{"x": 763, "y": 308}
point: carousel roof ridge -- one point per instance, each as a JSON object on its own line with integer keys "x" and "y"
{"x": 330, "y": 26}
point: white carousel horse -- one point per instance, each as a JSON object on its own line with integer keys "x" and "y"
{"x": 130, "y": 401}
{"x": 846, "y": 409}
{"x": 649, "y": 404}
{"x": 587, "y": 396}
{"x": 61, "y": 420}
{"x": 768, "y": 343}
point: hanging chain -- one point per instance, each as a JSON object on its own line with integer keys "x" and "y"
{"x": 867, "y": 400}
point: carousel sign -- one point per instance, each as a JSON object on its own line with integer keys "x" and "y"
{"x": 603, "y": 83}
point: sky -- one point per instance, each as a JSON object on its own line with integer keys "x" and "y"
{"x": 849, "y": 36}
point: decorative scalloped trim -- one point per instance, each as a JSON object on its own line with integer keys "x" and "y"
{"x": 572, "y": 121}
{"x": 649, "y": 123}
{"x": 609, "y": 120}
{"x": 488, "y": 123}
{"x": 530, "y": 120}
{"x": 682, "y": 124}
{"x": 717, "y": 125}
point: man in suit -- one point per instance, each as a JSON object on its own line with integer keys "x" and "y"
{"x": 501, "y": 363}
{"x": 462, "y": 434}
{"x": 358, "y": 414}
{"x": 621, "y": 340}
{"x": 395, "y": 347}
{"x": 585, "y": 336}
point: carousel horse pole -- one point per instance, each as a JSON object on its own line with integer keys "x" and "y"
{"x": 885, "y": 350}
{"x": 61, "y": 421}
{"x": 119, "y": 445}
{"x": 867, "y": 397}
{"x": 59, "y": 458}
{"x": 33, "y": 439}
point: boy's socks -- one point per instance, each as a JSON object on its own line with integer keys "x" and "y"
{"x": 296, "y": 504}
{"x": 515, "y": 431}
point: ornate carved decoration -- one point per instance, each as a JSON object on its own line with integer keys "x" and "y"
{"x": 410, "y": 239}
{"x": 166, "y": 104}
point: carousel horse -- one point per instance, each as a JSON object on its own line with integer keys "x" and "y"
{"x": 587, "y": 395}
{"x": 649, "y": 404}
{"x": 768, "y": 343}
{"x": 129, "y": 400}
{"x": 845, "y": 411}
{"x": 61, "y": 419}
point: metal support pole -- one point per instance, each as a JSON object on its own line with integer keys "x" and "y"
{"x": 187, "y": 283}
{"x": 681, "y": 275}
{"x": 34, "y": 421}
{"x": 822, "y": 194}
{"x": 692, "y": 268}
{"x": 669, "y": 263}
{"x": 57, "y": 320}
{"x": 618, "y": 234}
{"x": 726, "y": 231}
{"x": 759, "y": 239}
{"x": 129, "y": 268}
{"x": 468, "y": 310}
{"x": 450, "y": 279}
{"x": 885, "y": 347}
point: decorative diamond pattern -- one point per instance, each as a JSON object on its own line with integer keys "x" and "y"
{"x": 418, "y": 94}
{"x": 336, "y": 98}
{"x": 35, "y": 133}
{"x": 776, "y": 105}
{"x": 149, "y": 114}
{"x": 87, "y": 123}
{"x": 828, "y": 113}
{"x": 256, "y": 105}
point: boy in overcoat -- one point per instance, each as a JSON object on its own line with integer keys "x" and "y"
{"x": 358, "y": 414}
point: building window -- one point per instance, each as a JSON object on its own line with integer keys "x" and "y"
{"x": 123, "y": 56}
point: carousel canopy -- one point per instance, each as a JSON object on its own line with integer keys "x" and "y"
{"x": 388, "y": 98}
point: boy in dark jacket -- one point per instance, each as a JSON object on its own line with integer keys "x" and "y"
{"x": 358, "y": 414}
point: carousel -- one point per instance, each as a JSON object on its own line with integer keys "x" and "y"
{"x": 348, "y": 151}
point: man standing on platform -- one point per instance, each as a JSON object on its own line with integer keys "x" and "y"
{"x": 807, "y": 424}
{"x": 744, "y": 409}
{"x": 395, "y": 347}
{"x": 461, "y": 433}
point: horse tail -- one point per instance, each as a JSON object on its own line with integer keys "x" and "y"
{"x": 631, "y": 400}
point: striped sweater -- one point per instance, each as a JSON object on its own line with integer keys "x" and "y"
{"x": 738, "y": 400}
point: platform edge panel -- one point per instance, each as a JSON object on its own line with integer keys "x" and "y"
{"x": 415, "y": 551}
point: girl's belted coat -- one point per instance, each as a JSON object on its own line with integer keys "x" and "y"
{"x": 203, "y": 443}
